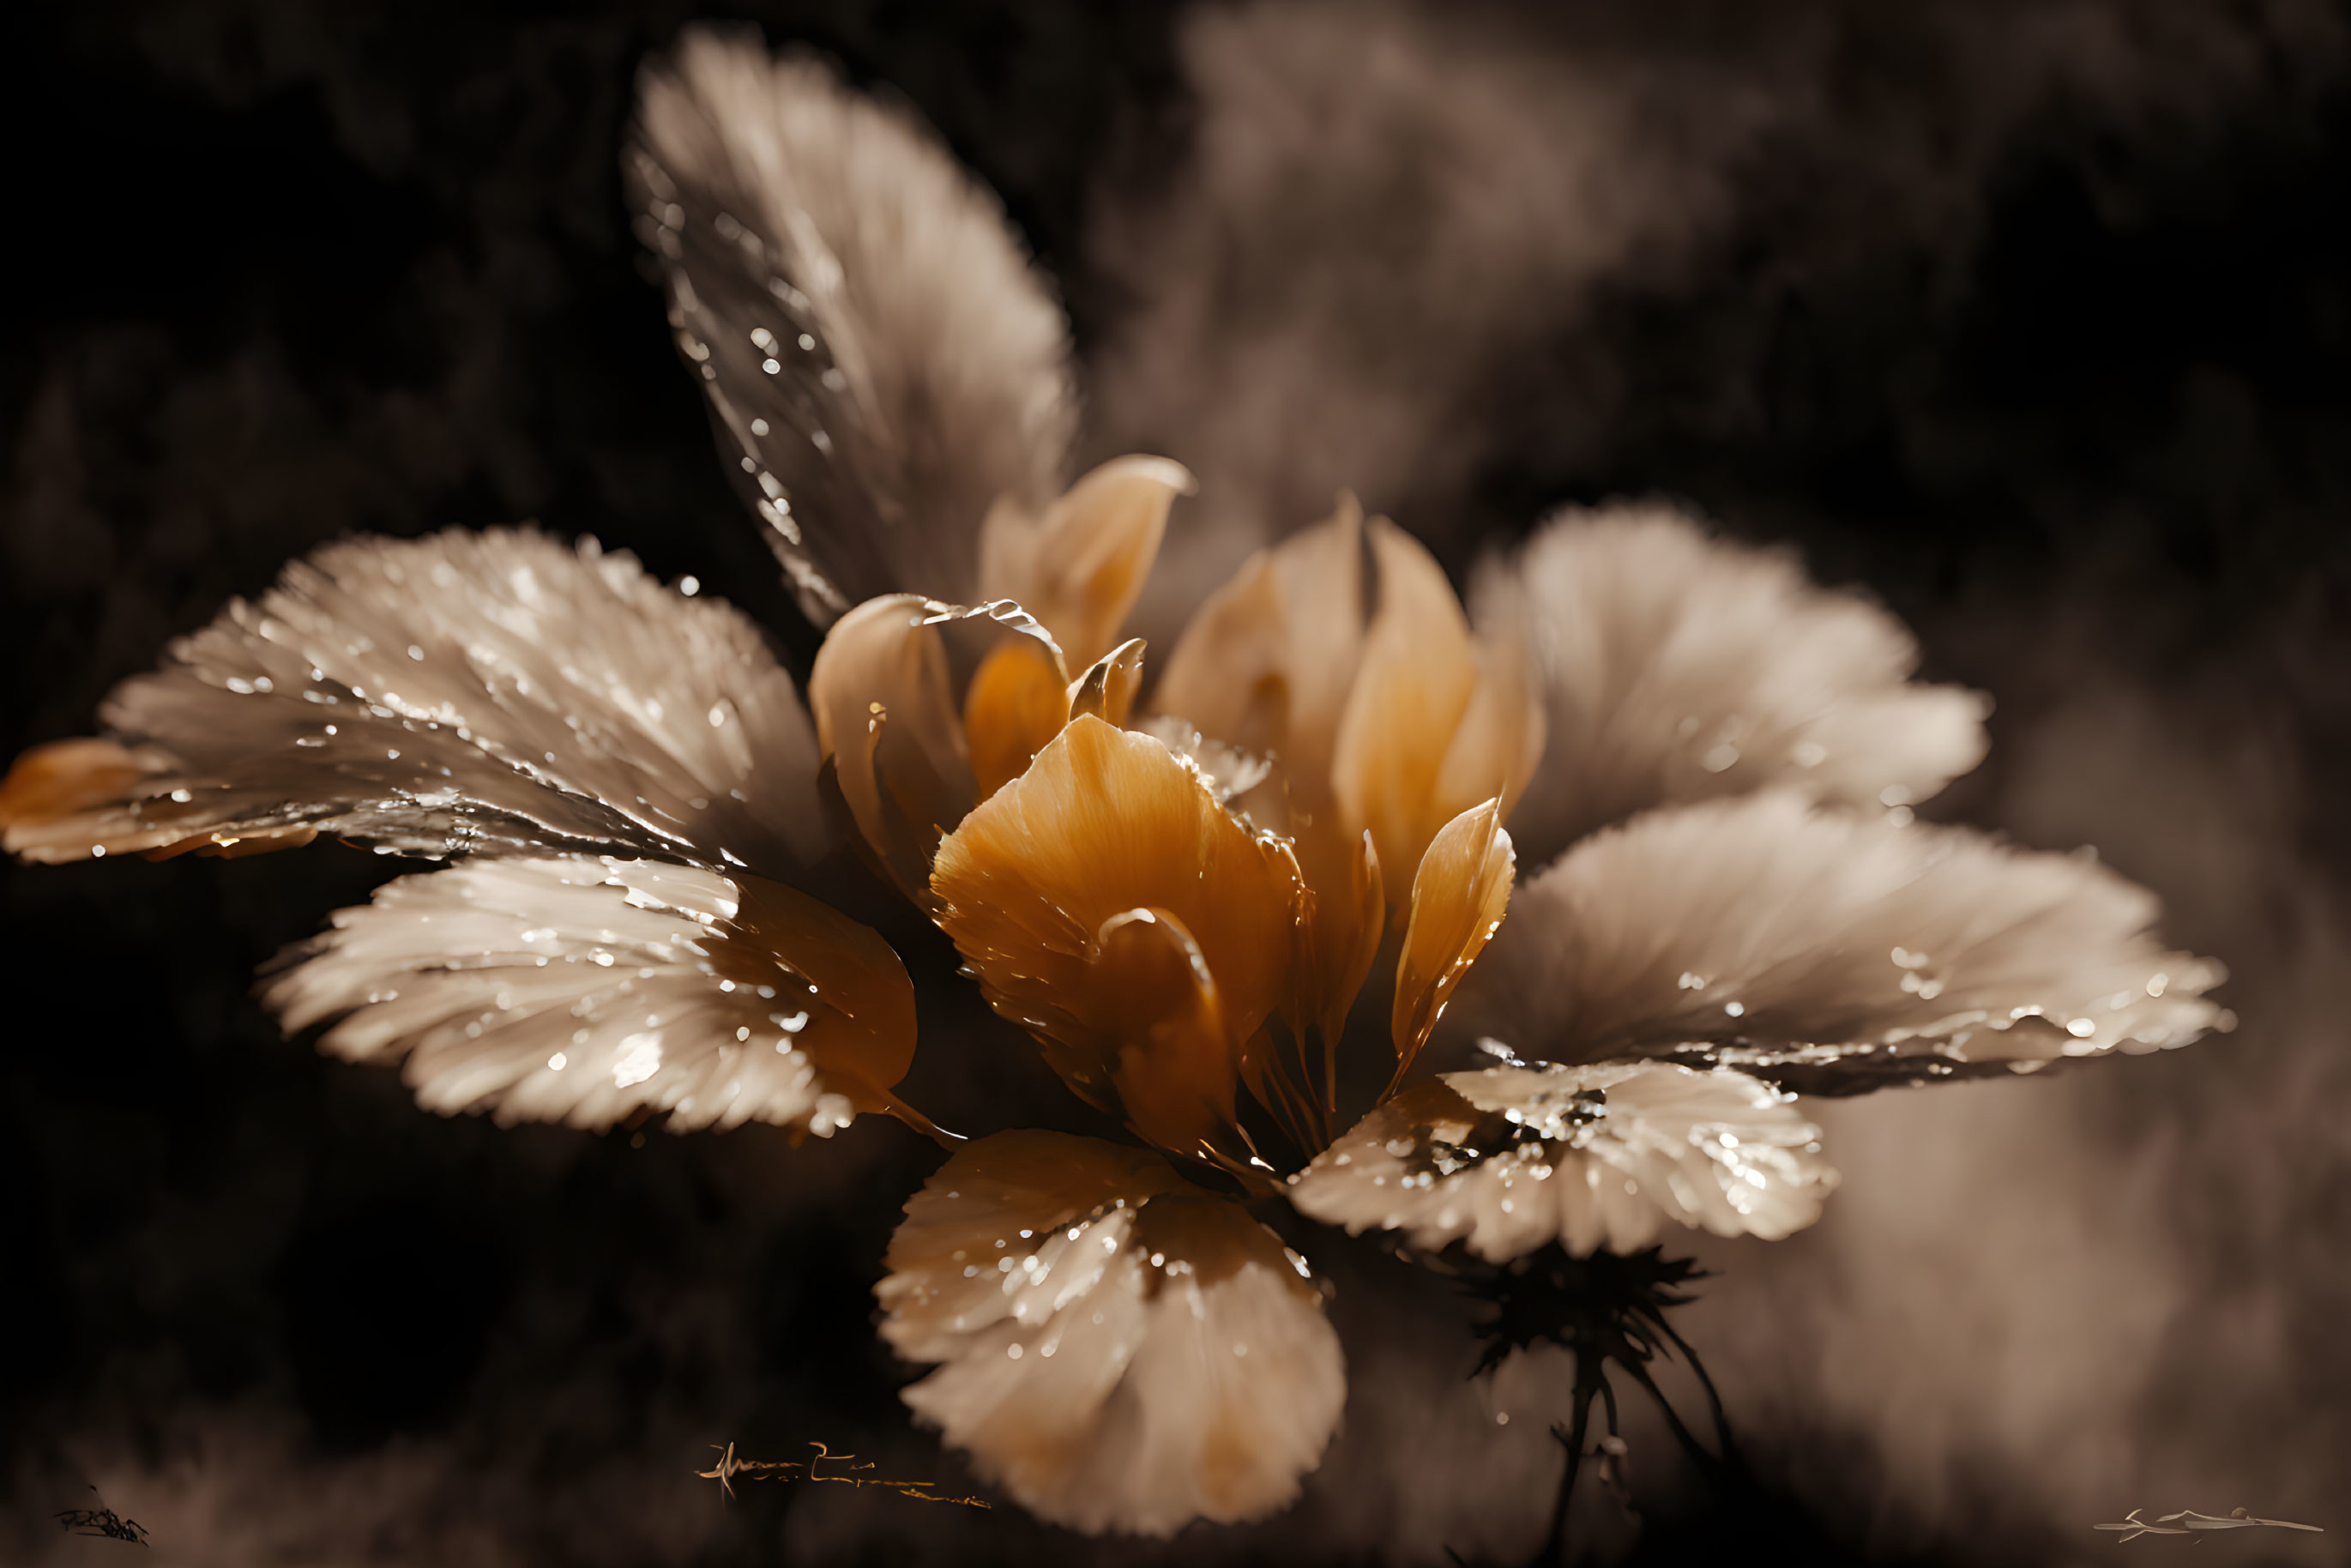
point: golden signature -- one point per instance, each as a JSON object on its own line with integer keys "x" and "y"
{"x": 849, "y": 1474}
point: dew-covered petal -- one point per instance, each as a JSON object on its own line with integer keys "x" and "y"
{"x": 1511, "y": 1159}
{"x": 582, "y": 990}
{"x": 1107, "y": 821}
{"x": 1830, "y": 951}
{"x": 1677, "y": 667}
{"x": 1265, "y": 663}
{"x": 1457, "y": 899}
{"x": 883, "y": 363}
{"x": 1418, "y": 674}
{"x": 463, "y": 693}
{"x": 1117, "y": 1349}
{"x": 1078, "y": 567}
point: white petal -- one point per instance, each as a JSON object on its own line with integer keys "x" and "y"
{"x": 1829, "y": 951}
{"x": 462, "y": 693}
{"x": 871, "y": 338}
{"x": 1511, "y": 1158}
{"x": 582, "y": 990}
{"x": 1121, "y": 1350}
{"x": 1676, "y": 667}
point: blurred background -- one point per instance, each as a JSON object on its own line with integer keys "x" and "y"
{"x": 2034, "y": 321}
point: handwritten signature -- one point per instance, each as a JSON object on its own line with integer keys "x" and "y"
{"x": 848, "y": 1472}
{"x": 2187, "y": 1522}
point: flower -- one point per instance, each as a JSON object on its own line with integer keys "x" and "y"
{"x": 1182, "y": 891}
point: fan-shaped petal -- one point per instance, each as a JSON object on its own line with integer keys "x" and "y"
{"x": 476, "y": 693}
{"x": 582, "y": 990}
{"x": 1119, "y": 1350}
{"x": 1830, "y": 951}
{"x": 1674, "y": 667}
{"x": 882, "y": 363}
{"x": 1509, "y": 1159}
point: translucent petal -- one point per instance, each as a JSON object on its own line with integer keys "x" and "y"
{"x": 1118, "y": 1350}
{"x": 882, "y": 361}
{"x": 582, "y": 990}
{"x": 477, "y": 693}
{"x": 1265, "y": 663}
{"x": 1676, "y": 667}
{"x": 1107, "y": 689}
{"x": 1418, "y": 673}
{"x": 1078, "y": 567}
{"x": 1830, "y": 951}
{"x": 1457, "y": 899}
{"x": 1107, "y": 821}
{"x": 1018, "y": 701}
{"x": 1509, "y": 1159}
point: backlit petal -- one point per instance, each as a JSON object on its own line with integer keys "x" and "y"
{"x": 886, "y": 716}
{"x": 883, "y": 363}
{"x": 1457, "y": 899}
{"x": 1674, "y": 667}
{"x": 1830, "y": 952}
{"x": 1018, "y": 701}
{"x": 582, "y": 990}
{"x": 1079, "y": 568}
{"x": 1509, "y": 1159}
{"x": 1106, "y": 821}
{"x": 463, "y": 693}
{"x": 1265, "y": 663}
{"x": 1418, "y": 673}
{"x": 1118, "y": 1350}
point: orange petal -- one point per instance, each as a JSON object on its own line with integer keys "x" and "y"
{"x": 1079, "y": 568}
{"x": 865, "y": 1033}
{"x": 1345, "y": 911}
{"x": 1500, "y": 738}
{"x": 1016, "y": 703}
{"x": 1457, "y": 899}
{"x": 1106, "y": 821}
{"x": 1176, "y": 1059}
{"x": 1107, "y": 688}
{"x": 1418, "y": 673}
{"x": 885, "y": 717}
{"x": 1267, "y": 661}
{"x": 75, "y": 799}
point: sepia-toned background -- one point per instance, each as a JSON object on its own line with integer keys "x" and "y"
{"x": 2033, "y": 322}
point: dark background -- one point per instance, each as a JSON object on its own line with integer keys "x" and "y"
{"x": 2033, "y": 322}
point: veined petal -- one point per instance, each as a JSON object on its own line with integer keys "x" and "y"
{"x": 1265, "y": 663}
{"x": 1831, "y": 952}
{"x": 1509, "y": 1159}
{"x": 883, "y": 363}
{"x": 1107, "y": 821}
{"x": 1457, "y": 899}
{"x": 1117, "y": 1349}
{"x": 1418, "y": 673}
{"x": 465, "y": 693}
{"x": 1078, "y": 567}
{"x": 1674, "y": 667}
{"x": 581, "y": 989}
